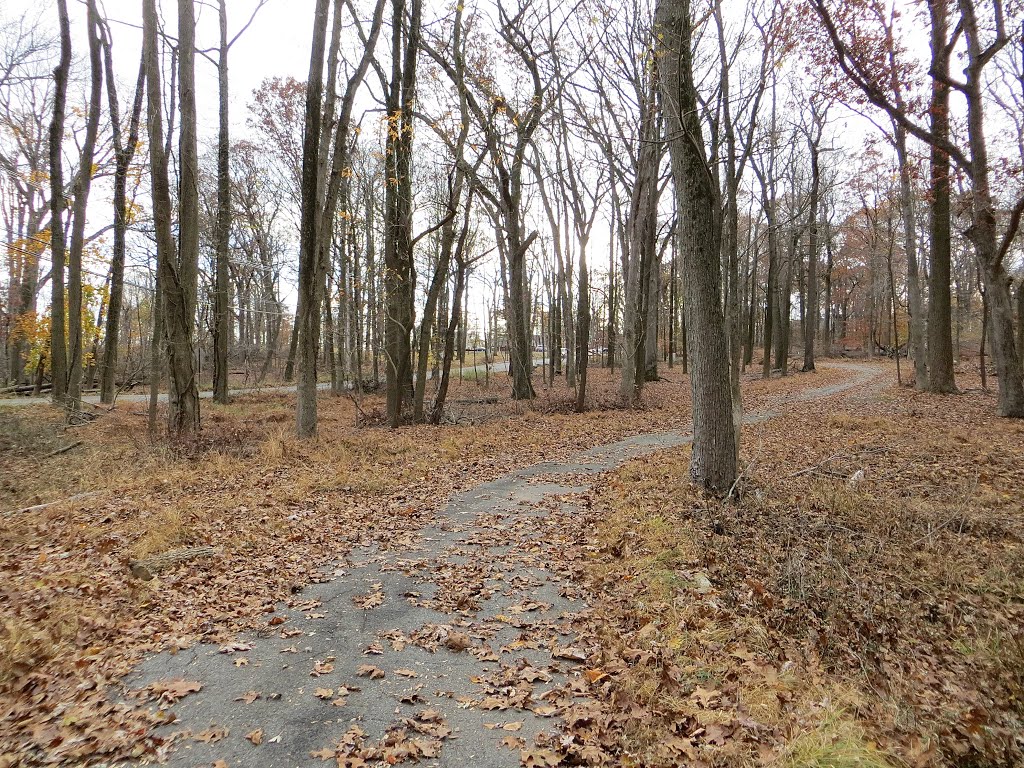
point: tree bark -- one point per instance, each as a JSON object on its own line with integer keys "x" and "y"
{"x": 124, "y": 154}
{"x": 639, "y": 255}
{"x": 309, "y": 306}
{"x": 940, "y": 333}
{"x": 178, "y": 310}
{"x": 713, "y": 462}
{"x": 915, "y": 300}
{"x": 983, "y": 232}
{"x": 811, "y": 309}
{"x": 1020, "y": 322}
{"x": 58, "y": 331}
{"x": 398, "y": 245}
{"x": 83, "y": 184}
{"x": 222, "y": 231}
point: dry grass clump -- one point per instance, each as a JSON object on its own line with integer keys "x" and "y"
{"x": 837, "y": 742}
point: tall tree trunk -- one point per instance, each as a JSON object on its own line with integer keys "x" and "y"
{"x": 222, "y": 233}
{"x": 124, "y": 153}
{"x": 451, "y": 339}
{"x": 651, "y": 315}
{"x": 714, "y": 461}
{"x": 83, "y": 184}
{"x": 611, "y": 339}
{"x": 398, "y": 244}
{"x": 915, "y": 299}
{"x": 177, "y": 309}
{"x": 582, "y": 350}
{"x": 1020, "y": 322}
{"x": 58, "y": 331}
{"x": 437, "y": 283}
{"x": 983, "y": 232}
{"x": 308, "y": 311}
{"x": 940, "y": 333}
{"x": 639, "y": 256}
{"x": 748, "y": 349}
{"x": 829, "y": 330}
{"x": 811, "y": 309}
{"x": 156, "y": 351}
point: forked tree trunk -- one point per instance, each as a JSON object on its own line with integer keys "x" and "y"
{"x": 83, "y": 185}
{"x": 398, "y": 244}
{"x": 124, "y": 153}
{"x": 308, "y": 310}
{"x": 177, "y": 311}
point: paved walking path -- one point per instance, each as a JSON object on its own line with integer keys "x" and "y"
{"x": 478, "y": 578}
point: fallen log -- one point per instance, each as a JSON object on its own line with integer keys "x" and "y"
{"x": 148, "y": 567}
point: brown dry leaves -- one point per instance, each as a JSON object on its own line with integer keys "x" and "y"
{"x": 75, "y": 623}
{"x": 278, "y": 509}
{"x": 871, "y": 563}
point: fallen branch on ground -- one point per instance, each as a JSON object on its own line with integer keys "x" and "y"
{"x": 40, "y": 507}
{"x": 148, "y": 567}
{"x": 65, "y": 449}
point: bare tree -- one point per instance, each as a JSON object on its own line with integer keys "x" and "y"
{"x": 982, "y": 41}
{"x": 177, "y": 309}
{"x": 124, "y": 154}
{"x": 80, "y": 193}
{"x": 58, "y": 332}
{"x": 713, "y": 461}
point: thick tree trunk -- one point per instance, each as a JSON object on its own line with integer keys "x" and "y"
{"x": 940, "y": 333}
{"x": 713, "y": 462}
{"x": 983, "y": 232}
{"x": 398, "y": 246}
{"x": 639, "y": 255}
{"x": 1020, "y": 322}
{"x": 178, "y": 311}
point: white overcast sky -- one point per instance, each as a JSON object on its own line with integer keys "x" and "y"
{"x": 276, "y": 44}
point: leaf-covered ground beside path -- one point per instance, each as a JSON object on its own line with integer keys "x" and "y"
{"x": 275, "y": 509}
{"x": 863, "y": 600}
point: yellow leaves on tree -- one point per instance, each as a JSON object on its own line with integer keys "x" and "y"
{"x": 33, "y": 328}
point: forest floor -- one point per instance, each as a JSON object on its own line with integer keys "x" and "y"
{"x": 527, "y": 600}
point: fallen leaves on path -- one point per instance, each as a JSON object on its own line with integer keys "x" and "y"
{"x": 280, "y": 510}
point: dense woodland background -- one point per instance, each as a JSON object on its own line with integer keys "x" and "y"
{"x": 856, "y": 176}
{"x": 581, "y": 251}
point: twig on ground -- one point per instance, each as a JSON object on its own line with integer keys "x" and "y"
{"x": 65, "y": 449}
